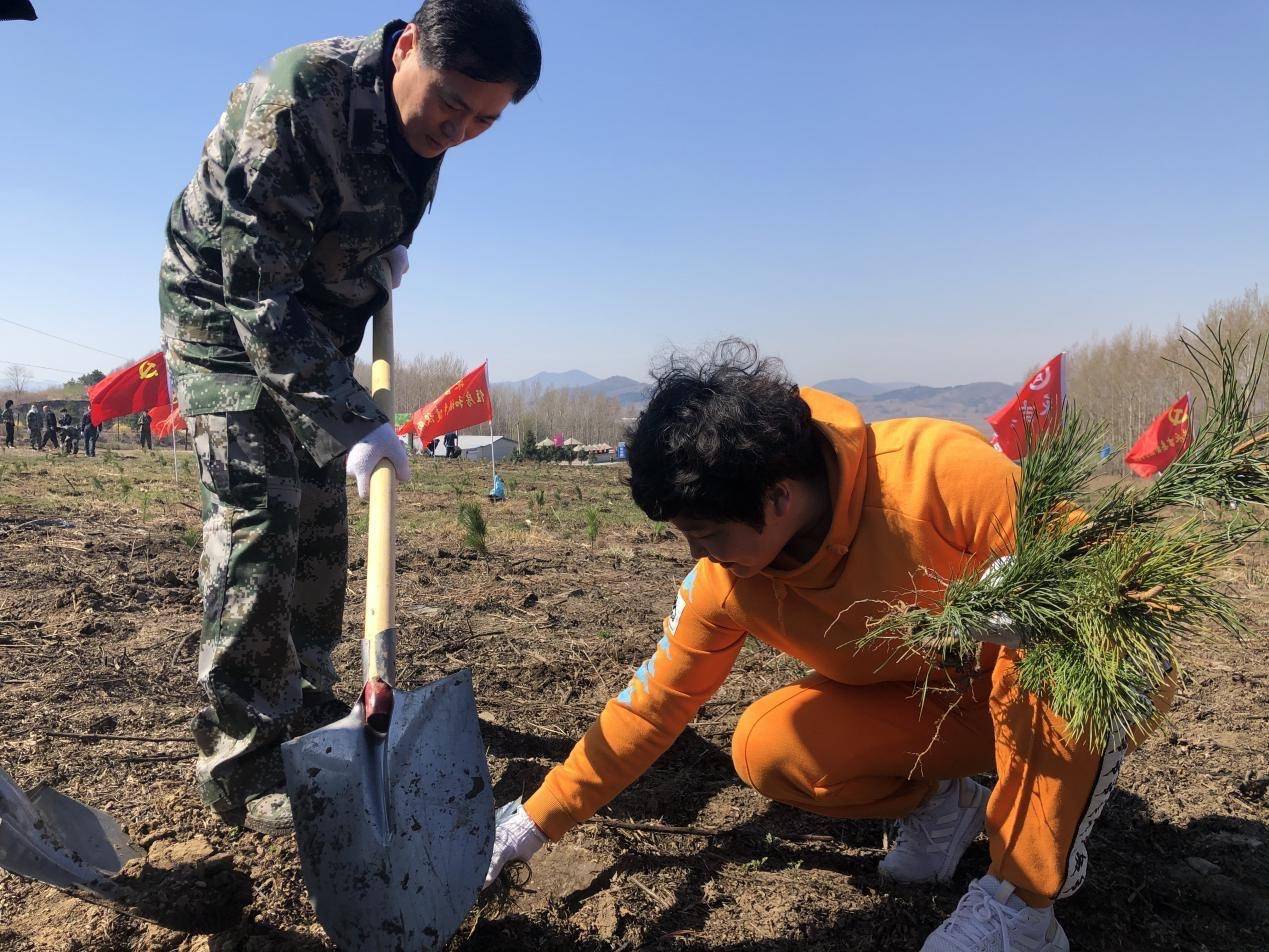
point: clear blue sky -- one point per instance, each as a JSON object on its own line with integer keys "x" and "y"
{"x": 940, "y": 192}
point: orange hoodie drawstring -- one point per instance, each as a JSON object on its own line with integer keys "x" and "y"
{"x": 781, "y": 590}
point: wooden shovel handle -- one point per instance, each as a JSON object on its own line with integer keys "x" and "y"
{"x": 378, "y": 647}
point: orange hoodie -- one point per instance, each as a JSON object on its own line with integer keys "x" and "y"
{"x": 916, "y": 502}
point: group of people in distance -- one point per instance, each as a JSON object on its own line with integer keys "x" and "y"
{"x": 797, "y": 512}
{"x": 45, "y": 427}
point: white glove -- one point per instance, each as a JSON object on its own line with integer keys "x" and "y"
{"x": 398, "y": 264}
{"x": 380, "y": 443}
{"x": 1000, "y": 628}
{"x": 516, "y": 836}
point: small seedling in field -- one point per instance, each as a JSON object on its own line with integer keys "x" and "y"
{"x": 125, "y": 487}
{"x": 97, "y": 484}
{"x": 592, "y": 523}
{"x": 192, "y": 537}
{"x": 578, "y": 488}
{"x": 472, "y": 521}
{"x": 541, "y": 497}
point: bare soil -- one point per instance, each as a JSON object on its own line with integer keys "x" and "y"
{"x": 99, "y": 614}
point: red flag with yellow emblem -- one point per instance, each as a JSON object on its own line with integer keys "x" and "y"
{"x": 464, "y": 404}
{"x": 142, "y": 386}
{"x": 1162, "y": 441}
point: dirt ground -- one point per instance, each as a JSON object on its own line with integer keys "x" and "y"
{"x": 98, "y": 629}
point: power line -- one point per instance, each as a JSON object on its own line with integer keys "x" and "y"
{"x": 64, "y": 340}
{"x": 60, "y": 370}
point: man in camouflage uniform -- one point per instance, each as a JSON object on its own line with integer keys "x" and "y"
{"x": 90, "y": 431}
{"x": 320, "y": 167}
{"x": 145, "y": 438}
{"x": 50, "y": 429}
{"x": 10, "y": 423}
{"x": 70, "y": 433}
{"x": 34, "y": 425}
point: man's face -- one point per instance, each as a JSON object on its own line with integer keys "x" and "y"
{"x": 441, "y": 108}
{"x": 739, "y": 548}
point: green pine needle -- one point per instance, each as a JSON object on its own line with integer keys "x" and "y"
{"x": 472, "y": 522}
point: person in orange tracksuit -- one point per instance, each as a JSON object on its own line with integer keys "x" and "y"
{"x": 805, "y": 520}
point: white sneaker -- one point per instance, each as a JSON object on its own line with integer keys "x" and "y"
{"x": 933, "y": 838}
{"x": 990, "y": 918}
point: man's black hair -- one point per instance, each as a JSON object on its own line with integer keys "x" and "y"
{"x": 719, "y": 432}
{"x": 493, "y": 41}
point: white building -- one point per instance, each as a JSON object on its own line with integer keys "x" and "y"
{"x": 477, "y": 447}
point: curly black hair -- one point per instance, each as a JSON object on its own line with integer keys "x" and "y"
{"x": 719, "y": 432}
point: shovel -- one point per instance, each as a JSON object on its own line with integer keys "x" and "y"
{"x": 58, "y": 840}
{"x": 392, "y": 804}
{"x": 53, "y": 838}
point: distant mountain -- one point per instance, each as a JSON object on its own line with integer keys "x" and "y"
{"x": 854, "y": 387}
{"x": 623, "y": 389}
{"x": 967, "y": 403}
{"x": 547, "y": 379}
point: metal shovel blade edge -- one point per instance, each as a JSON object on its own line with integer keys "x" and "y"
{"x": 394, "y": 833}
{"x": 57, "y": 840}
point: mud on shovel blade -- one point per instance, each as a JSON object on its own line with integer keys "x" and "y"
{"x": 394, "y": 832}
{"x": 58, "y": 840}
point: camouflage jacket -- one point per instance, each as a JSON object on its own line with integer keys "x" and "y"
{"x": 272, "y": 266}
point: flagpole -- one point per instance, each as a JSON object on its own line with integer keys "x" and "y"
{"x": 492, "y": 468}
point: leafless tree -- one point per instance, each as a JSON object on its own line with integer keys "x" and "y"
{"x": 17, "y": 378}
{"x": 1127, "y": 379}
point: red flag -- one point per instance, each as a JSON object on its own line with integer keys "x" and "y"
{"x": 465, "y": 404}
{"x": 165, "y": 419}
{"x": 1162, "y": 441}
{"x": 131, "y": 390}
{"x": 1036, "y": 408}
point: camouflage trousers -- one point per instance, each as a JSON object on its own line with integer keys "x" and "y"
{"x": 273, "y": 574}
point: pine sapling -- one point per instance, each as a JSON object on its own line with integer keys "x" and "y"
{"x": 591, "y": 514}
{"x": 472, "y": 522}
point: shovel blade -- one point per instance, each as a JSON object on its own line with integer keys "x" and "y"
{"x": 395, "y": 832}
{"x": 58, "y": 840}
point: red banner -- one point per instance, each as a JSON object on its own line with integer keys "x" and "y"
{"x": 465, "y": 404}
{"x": 1162, "y": 441}
{"x": 1036, "y": 408}
{"x": 165, "y": 419}
{"x": 131, "y": 390}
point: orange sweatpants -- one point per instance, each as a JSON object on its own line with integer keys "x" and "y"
{"x": 876, "y": 751}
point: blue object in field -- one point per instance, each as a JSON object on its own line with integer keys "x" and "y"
{"x": 1106, "y": 452}
{"x": 499, "y": 491}
{"x": 622, "y": 451}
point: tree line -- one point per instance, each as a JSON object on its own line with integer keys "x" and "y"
{"x": 525, "y": 414}
{"x": 1127, "y": 379}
